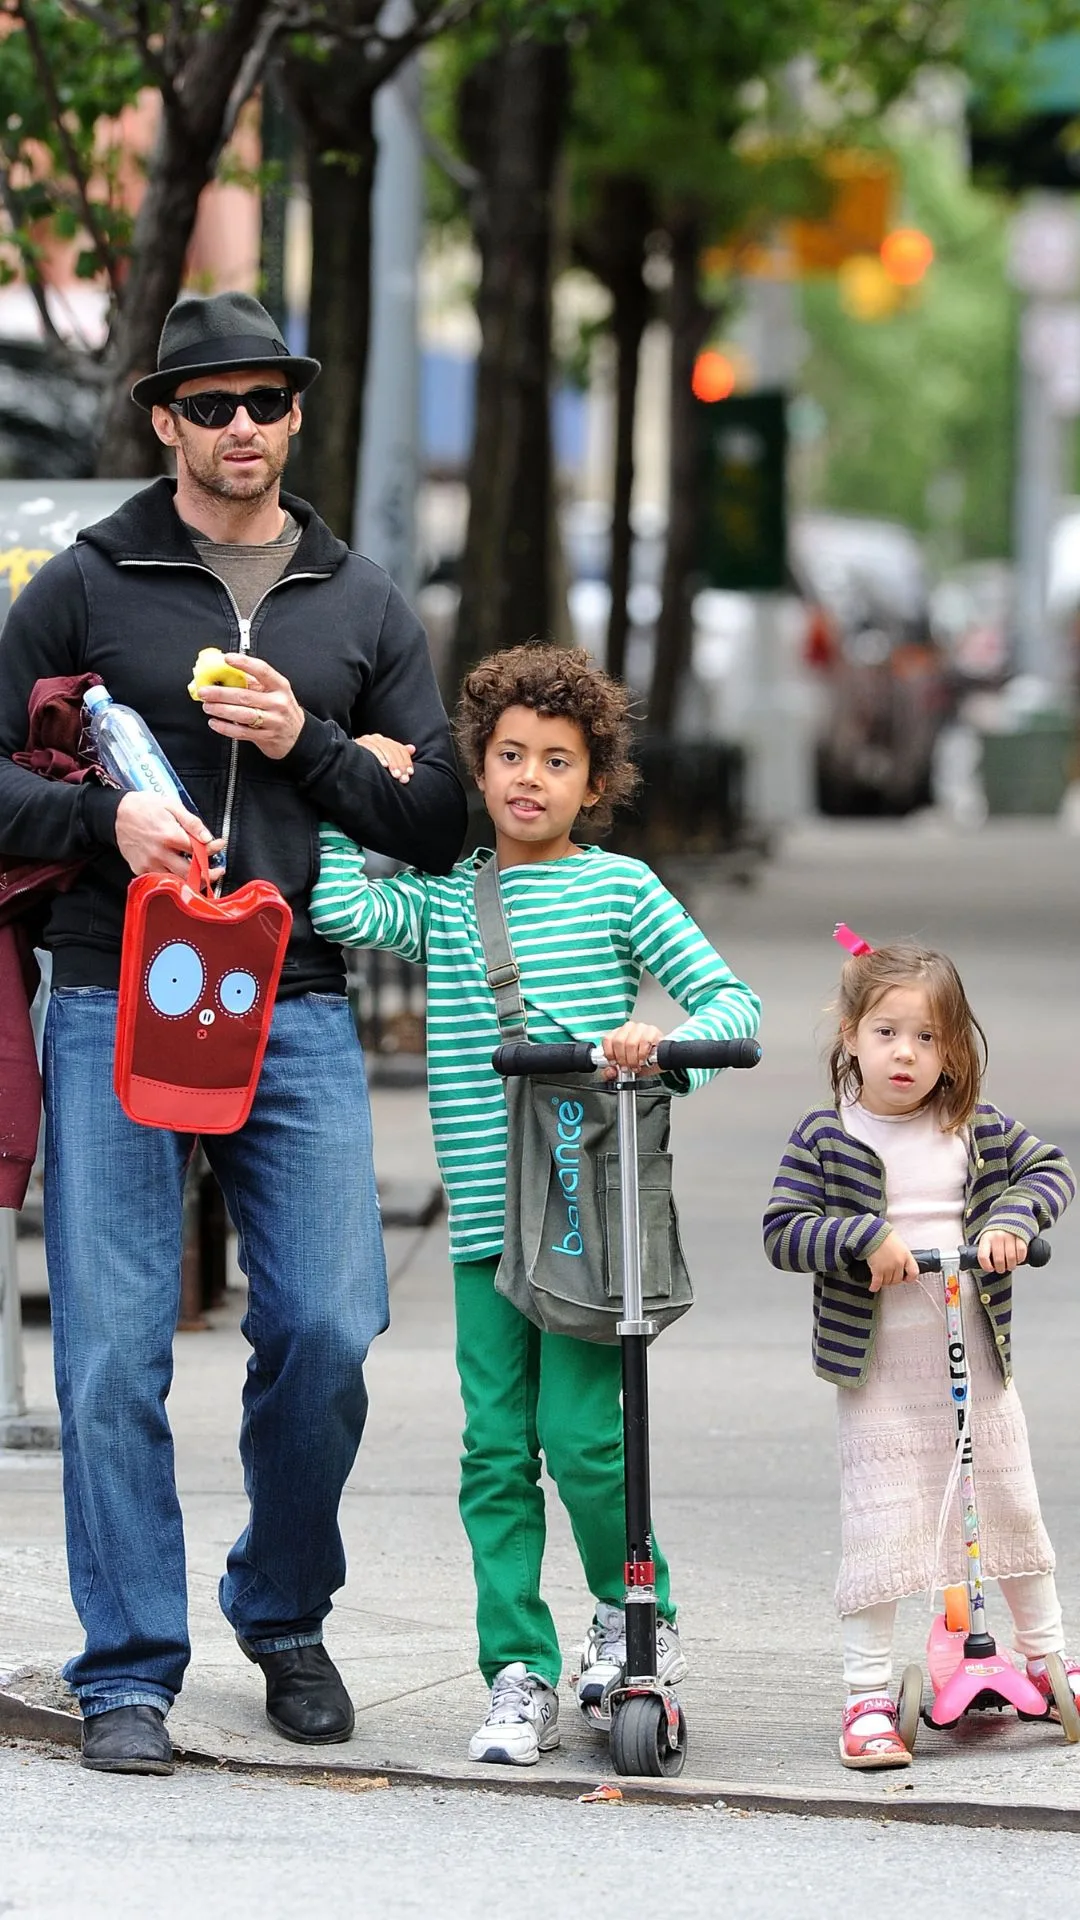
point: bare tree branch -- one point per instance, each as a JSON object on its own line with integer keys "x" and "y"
{"x": 275, "y": 22}
{"x": 97, "y": 17}
{"x": 459, "y": 171}
{"x": 439, "y": 18}
{"x": 102, "y": 244}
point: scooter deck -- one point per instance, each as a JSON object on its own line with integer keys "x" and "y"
{"x": 959, "y": 1682}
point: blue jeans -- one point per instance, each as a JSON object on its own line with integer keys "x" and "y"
{"x": 300, "y": 1188}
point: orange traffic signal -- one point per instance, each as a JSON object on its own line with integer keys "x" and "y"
{"x": 905, "y": 255}
{"x": 714, "y": 375}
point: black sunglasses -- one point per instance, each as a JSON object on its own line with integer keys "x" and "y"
{"x": 262, "y": 404}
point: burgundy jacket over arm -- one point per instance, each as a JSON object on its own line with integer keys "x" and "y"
{"x": 54, "y": 749}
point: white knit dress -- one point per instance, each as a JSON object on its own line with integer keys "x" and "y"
{"x": 897, "y": 1431}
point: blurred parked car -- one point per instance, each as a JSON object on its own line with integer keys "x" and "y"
{"x": 972, "y": 611}
{"x": 870, "y": 639}
{"x": 50, "y": 408}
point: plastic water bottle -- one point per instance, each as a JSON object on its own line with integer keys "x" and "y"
{"x": 131, "y": 756}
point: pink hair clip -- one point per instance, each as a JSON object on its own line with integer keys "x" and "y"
{"x": 854, "y": 942}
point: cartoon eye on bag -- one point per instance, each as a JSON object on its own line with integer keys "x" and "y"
{"x": 174, "y": 980}
{"x": 238, "y": 991}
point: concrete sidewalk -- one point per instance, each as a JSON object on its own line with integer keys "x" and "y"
{"x": 745, "y": 1488}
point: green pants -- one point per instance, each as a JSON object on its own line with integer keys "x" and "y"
{"x": 527, "y": 1393}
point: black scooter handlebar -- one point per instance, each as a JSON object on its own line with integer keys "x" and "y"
{"x": 929, "y": 1258}
{"x": 708, "y": 1053}
{"x": 516, "y": 1057}
{"x": 580, "y": 1056}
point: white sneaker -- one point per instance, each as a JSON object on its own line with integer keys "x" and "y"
{"x": 603, "y": 1660}
{"x": 522, "y": 1721}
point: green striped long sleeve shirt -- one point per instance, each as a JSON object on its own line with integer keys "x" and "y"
{"x": 583, "y": 929}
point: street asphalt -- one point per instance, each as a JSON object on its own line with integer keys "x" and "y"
{"x": 745, "y": 1482}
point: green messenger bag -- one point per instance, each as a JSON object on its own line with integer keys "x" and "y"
{"x": 561, "y": 1263}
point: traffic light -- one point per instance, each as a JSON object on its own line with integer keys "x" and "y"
{"x": 742, "y": 493}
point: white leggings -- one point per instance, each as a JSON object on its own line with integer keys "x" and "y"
{"x": 867, "y": 1636}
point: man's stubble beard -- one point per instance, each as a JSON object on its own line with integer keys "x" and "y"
{"x": 216, "y": 481}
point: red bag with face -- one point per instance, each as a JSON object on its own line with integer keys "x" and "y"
{"x": 197, "y": 984}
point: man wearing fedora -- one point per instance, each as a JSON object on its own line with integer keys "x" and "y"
{"x": 329, "y": 650}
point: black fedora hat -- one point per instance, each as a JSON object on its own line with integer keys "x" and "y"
{"x": 218, "y": 333}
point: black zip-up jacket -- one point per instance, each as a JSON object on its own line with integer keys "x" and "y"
{"x": 133, "y": 602}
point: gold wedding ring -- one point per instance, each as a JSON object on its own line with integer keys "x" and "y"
{"x": 257, "y": 717}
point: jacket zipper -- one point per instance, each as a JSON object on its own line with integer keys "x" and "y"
{"x": 244, "y": 632}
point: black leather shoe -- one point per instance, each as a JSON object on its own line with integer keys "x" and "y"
{"x": 305, "y": 1694}
{"x": 127, "y": 1740}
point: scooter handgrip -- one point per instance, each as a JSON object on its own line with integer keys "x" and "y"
{"x": 708, "y": 1053}
{"x": 523, "y": 1056}
{"x": 929, "y": 1259}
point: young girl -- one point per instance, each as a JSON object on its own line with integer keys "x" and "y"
{"x": 910, "y": 1157}
{"x": 546, "y": 736}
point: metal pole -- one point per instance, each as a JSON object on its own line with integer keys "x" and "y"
{"x": 634, "y": 1331}
{"x": 779, "y": 729}
{"x": 389, "y": 458}
{"x": 1039, "y": 487}
{"x": 12, "y": 1374}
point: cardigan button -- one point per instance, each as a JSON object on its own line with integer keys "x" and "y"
{"x": 985, "y": 1298}
{"x": 999, "y": 1339}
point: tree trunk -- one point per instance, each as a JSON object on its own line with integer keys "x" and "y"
{"x": 340, "y": 180}
{"x": 513, "y": 113}
{"x": 277, "y": 139}
{"x": 183, "y": 161}
{"x": 628, "y": 322}
{"x": 129, "y": 447}
{"x": 611, "y": 245}
{"x": 689, "y": 325}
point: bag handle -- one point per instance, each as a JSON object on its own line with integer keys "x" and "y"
{"x": 198, "y": 873}
{"x": 502, "y": 970}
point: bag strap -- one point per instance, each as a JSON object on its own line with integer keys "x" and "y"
{"x": 502, "y": 970}
{"x": 198, "y": 874}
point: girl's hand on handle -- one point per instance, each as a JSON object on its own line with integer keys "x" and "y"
{"x": 391, "y": 754}
{"x": 630, "y": 1046}
{"x": 891, "y": 1264}
{"x": 1001, "y": 1252}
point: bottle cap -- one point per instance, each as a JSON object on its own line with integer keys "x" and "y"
{"x": 95, "y": 697}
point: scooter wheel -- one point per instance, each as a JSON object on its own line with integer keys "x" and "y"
{"x": 640, "y": 1741}
{"x": 909, "y": 1706}
{"x": 1064, "y": 1698}
{"x": 957, "y": 1610}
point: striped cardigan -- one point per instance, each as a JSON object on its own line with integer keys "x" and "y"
{"x": 827, "y": 1214}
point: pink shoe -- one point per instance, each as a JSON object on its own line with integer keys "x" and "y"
{"x": 1041, "y": 1682}
{"x": 872, "y": 1749}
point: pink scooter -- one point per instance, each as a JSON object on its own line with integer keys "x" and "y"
{"x": 967, "y": 1673}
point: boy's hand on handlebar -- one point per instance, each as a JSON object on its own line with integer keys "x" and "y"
{"x": 630, "y": 1046}
{"x": 391, "y": 754}
{"x": 1001, "y": 1252}
{"x": 891, "y": 1263}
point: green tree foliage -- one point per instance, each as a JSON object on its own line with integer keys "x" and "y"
{"x": 60, "y": 80}
{"x": 928, "y": 391}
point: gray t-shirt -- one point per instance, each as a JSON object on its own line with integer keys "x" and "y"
{"x": 248, "y": 571}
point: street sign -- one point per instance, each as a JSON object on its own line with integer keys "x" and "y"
{"x": 742, "y": 533}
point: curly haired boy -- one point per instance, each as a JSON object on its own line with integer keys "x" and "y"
{"x": 546, "y": 736}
